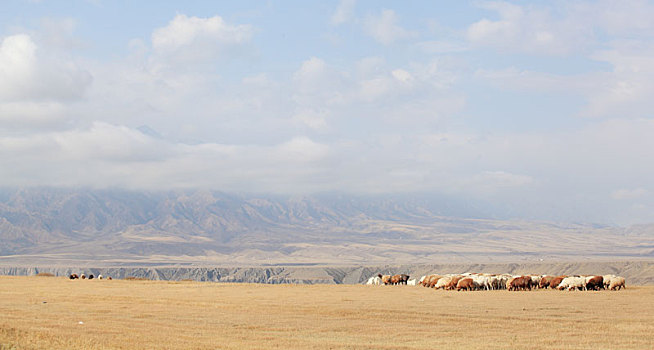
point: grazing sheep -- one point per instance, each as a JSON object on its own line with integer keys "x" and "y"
{"x": 100, "y": 277}
{"x": 607, "y": 280}
{"x": 386, "y": 279}
{"x": 519, "y": 283}
{"x": 374, "y": 281}
{"x": 109, "y": 278}
{"x": 82, "y": 276}
{"x": 572, "y": 283}
{"x": 483, "y": 281}
{"x": 545, "y": 281}
{"x": 73, "y": 276}
{"x": 433, "y": 280}
{"x": 443, "y": 282}
{"x": 617, "y": 283}
{"x": 91, "y": 276}
{"x": 453, "y": 282}
{"x": 422, "y": 280}
{"x": 554, "y": 283}
{"x": 466, "y": 283}
{"x": 594, "y": 283}
{"x": 535, "y": 281}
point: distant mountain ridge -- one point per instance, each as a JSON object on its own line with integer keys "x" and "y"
{"x": 62, "y": 225}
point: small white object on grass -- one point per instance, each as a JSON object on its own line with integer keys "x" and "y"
{"x": 80, "y": 322}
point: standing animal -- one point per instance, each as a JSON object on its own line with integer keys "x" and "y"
{"x": 413, "y": 282}
{"x": 519, "y": 283}
{"x": 453, "y": 282}
{"x": 404, "y": 279}
{"x": 535, "y": 281}
{"x": 572, "y": 283}
{"x": 465, "y": 284}
{"x": 91, "y": 276}
{"x": 433, "y": 280}
{"x": 607, "y": 280}
{"x": 443, "y": 282}
{"x": 594, "y": 282}
{"x": 374, "y": 281}
{"x": 395, "y": 279}
{"x": 73, "y": 276}
{"x": 545, "y": 281}
{"x": 82, "y": 276}
{"x": 99, "y": 277}
{"x": 385, "y": 279}
{"x": 556, "y": 281}
{"x": 109, "y": 278}
{"x": 617, "y": 283}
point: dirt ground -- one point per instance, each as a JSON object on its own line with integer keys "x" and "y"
{"x": 57, "y": 313}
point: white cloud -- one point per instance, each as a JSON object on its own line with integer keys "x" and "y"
{"x": 629, "y": 193}
{"x": 530, "y": 29}
{"x": 31, "y": 115}
{"x": 344, "y": 12}
{"x": 488, "y": 182}
{"x": 193, "y": 39}
{"x": 622, "y": 92}
{"x": 26, "y": 76}
{"x": 438, "y": 47}
{"x": 384, "y": 28}
{"x": 303, "y": 149}
{"x": 313, "y": 119}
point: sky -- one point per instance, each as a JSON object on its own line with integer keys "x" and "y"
{"x": 542, "y": 107}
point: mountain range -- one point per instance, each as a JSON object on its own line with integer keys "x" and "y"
{"x": 201, "y": 227}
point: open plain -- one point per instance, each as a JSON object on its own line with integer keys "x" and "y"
{"x": 57, "y": 313}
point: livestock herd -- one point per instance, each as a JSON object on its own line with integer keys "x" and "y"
{"x": 483, "y": 281}
{"x": 74, "y": 276}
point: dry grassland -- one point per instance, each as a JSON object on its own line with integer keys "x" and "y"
{"x": 45, "y": 313}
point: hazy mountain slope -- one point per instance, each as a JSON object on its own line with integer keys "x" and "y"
{"x": 58, "y": 225}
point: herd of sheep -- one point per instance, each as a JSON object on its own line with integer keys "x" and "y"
{"x": 74, "y": 276}
{"x": 484, "y": 281}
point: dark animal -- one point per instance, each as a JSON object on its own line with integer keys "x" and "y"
{"x": 545, "y": 281}
{"x": 73, "y": 276}
{"x": 595, "y": 283}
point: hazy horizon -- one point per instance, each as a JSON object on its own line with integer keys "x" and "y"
{"x": 539, "y": 109}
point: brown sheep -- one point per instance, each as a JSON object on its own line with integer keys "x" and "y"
{"x": 386, "y": 279}
{"x": 433, "y": 280}
{"x": 545, "y": 281}
{"x": 395, "y": 279}
{"x": 109, "y": 278}
{"x": 454, "y": 282}
{"x": 82, "y": 276}
{"x": 595, "y": 283}
{"x": 465, "y": 284}
{"x": 426, "y": 279}
{"x": 519, "y": 283}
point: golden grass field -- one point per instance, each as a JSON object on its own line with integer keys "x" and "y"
{"x": 45, "y": 313}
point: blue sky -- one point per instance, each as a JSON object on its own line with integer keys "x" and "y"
{"x": 543, "y": 107}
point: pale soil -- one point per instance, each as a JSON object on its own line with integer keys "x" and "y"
{"x": 45, "y": 313}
